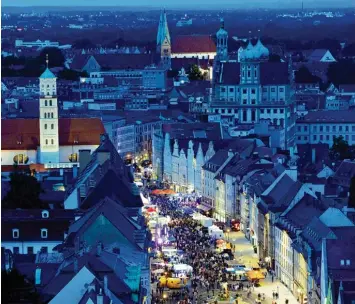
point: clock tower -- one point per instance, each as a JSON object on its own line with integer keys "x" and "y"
{"x": 48, "y": 118}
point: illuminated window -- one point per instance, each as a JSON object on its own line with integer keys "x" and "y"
{"x": 20, "y": 159}
{"x": 73, "y": 157}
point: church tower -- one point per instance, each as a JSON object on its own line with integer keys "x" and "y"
{"x": 163, "y": 41}
{"x": 222, "y": 43}
{"x": 48, "y": 118}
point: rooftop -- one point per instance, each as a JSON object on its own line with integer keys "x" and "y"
{"x": 328, "y": 117}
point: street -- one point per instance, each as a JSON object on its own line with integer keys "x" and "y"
{"x": 183, "y": 243}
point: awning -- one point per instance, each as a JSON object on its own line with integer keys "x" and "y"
{"x": 204, "y": 208}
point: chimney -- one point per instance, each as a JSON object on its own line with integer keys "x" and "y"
{"x": 313, "y": 155}
{"x": 106, "y": 285}
{"x": 103, "y": 156}
{"x": 84, "y": 159}
{"x": 75, "y": 171}
{"x": 100, "y": 298}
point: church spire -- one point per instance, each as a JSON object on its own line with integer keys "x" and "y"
{"x": 163, "y": 40}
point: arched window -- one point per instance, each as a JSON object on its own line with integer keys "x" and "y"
{"x": 46, "y": 141}
{"x": 20, "y": 159}
{"x": 73, "y": 157}
{"x": 45, "y": 214}
{"x": 45, "y": 103}
{"x": 51, "y": 115}
{"x": 52, "y": 141}
{"x": 45, "y": 115}
{"x": 52, "y": 126}
{"x": 45, "y": 126}
{"x": 47, "y": 85}
{"x": 50, "y": 102}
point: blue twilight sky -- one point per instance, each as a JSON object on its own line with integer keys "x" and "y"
{"x": 187, "y": 3}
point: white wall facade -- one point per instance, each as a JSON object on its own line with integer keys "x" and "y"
{"x": 194, "y": 55}
{"x": 37, "y": 246}
{"x": 283, "y": 257}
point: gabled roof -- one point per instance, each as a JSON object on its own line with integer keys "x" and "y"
{"x": 318, "y": 54}
{"x": 193, "y": 44}
{"x": 333, "y": 217}
{"x": 113, "y": 212}
{"x": 281, "y": 193}
{"x": 30, "y": 222}
{"x": 303, "y": 212}
{"x": 79, "y": 61}
{"x": 328, "y": 117}
{"x": 23, "y": 134}
{"x": 125, "y": 61}
{"x": 315, "y": 231}
{"x": 114, "y": 163}
{"x": 114, "y": 187}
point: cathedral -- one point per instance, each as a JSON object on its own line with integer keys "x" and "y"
{"x": 49, "y": 140}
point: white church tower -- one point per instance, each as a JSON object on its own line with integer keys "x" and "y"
{"x": 48, "y": 118}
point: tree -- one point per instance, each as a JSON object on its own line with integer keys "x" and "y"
{"x": 349, "y": 50}
{"x": 55, "y": 56}
{"x": 24, "y": 191}
{"x": 274, "y": 58}
{"x": 71, "y": 74}
{"x": 83, "y": 44}
{"x": 16, "y": 288}
{"x": 340, "y": 149}
{"x": 173, "y": 73}
{"x": 341, "y": 72}
{"x": 195, "y": 73}
{"x": 303, "y": 75}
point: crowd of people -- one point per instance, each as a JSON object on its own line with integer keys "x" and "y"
{"x": 209, "y": 280}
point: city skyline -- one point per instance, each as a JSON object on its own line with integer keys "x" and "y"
{"x": 206, "y": 4}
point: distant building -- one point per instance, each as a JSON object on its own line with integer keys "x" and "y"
{"x": 49, "y": 140}
{"x": 34, "y": 231}
{"x": 38, "y": 44}
{"x": 184, "y": 22}
{"x": 322, "y": 126}
{"x": 321, "y": 55}
{"x": 253, "y": 89}
{"x": 164, "y": 41}
{"x": 201, "y": 46}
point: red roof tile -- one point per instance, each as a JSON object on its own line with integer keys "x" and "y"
{"x": 193, "y": 44}
{"x": 23, "y": 134}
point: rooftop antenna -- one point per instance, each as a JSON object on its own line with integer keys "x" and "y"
{"x": 47, "y": 60}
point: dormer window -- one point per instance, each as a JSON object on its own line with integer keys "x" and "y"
{"x": 15, "y": 233}
{"x": 44, "y": 233}
{"x": 45, "y": 214}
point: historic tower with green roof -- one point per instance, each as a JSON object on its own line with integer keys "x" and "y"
{"x": 48, "y": 118}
